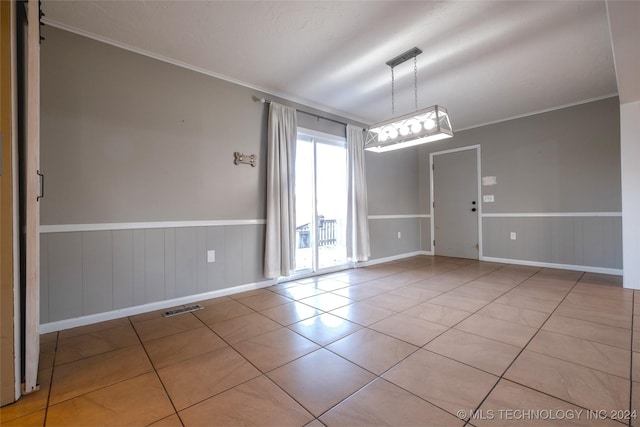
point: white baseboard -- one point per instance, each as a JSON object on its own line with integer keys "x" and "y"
{"x": 145, "y": 308}
{"x": 585, "y": 268}
{"x": 391, "y": 258}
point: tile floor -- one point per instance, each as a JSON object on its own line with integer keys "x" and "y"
{"x": 426, "y": 341}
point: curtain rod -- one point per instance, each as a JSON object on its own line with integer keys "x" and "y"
{"x": 268, "y": 101}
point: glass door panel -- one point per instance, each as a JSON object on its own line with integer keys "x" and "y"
{"x": 305, "y": 205}
{"x": 331, "y": 201}
{"x": 321, "y": 203}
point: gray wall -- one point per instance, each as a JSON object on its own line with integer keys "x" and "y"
{"x": 393, "y": 189}
{"x": 563, "y": 161}
{"x": 91, "y": 272}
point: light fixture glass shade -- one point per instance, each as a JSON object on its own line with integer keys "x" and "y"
{"x": 426, "y": 125}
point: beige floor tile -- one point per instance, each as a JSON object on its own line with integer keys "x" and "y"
{"x": 384, "y": 404}
{"x": 264, "y": 301}
{"x": 258, "y": 402}
{"x": 496, "y": 329}
{"x": 605, "y": 334}
{"x": 603, "y": 291}
{"x": 576, "y": 384}
{"x": 34, "y": 419}
{"x": 528, "y": 302}
{"x": 416, "y": 293}
{"x": 460, "y": 303}
{"x": 442, "y": 381}
{"x": 136, "y": 401}
{"x": 479, "y": 352}
{"x": 359, "y": 292}
{"x": 244, "y": 327}
{"x": 363, "y": 313}
{"x": 600, "y": 279}
{"x": 81, "y": 330}
{"x": 372, "y": 350}
{"x": 314, "y": 423}
{"x": 29, "y": 403}
{"x": 439, "y": 283}
{"x": 392, "y": 302}
{"x": 613, "y": 360}
{"x": 92, "y": 373}
{"x": 507, "y": 401}
{"x": 471, "y": 291}
{"x": 636, "y": 322}
{"x": 251, "y": 293}
{"x": 301, "y": 291}
{"x": 521, "y": 316}
{"x": 164, "y": 326}
{"x": 224, "y": 310}
{"x": 289, "y": 313}
{"x": 496, "y": 284}
{"x": 635, "y": 374}
{"x": 619, "y": 320}
{"x": 203, "y": 376}
{"x": 273, "y": 349}
{"x": 597, "y": 302}
{"x": 325, "y": 328}
{"x": 330, "y": 285}
{"x": 185, "y": 345}
{"x": 170, "y": 421}
{"x": 559, "y": 274}
{"x": 332, "y": 378}
{"x": 81, "y": 346}
{"x": 527, "y": 291}
{"x": 440, "y": 314}
{"x": 410, "y": 329}
{"x": 327, "y": 301}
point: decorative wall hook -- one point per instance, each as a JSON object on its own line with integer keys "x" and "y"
{"x": 241, "y": 158}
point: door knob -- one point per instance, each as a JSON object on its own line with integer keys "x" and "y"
{"x": 473, "y": 210}
{"x": 473, "y": 203}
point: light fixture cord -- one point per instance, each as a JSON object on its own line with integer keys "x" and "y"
{"x": 393, "y": 103}
{"x": 415, "y": 79}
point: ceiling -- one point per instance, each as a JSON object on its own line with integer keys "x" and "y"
{"x": 484, "y": 61}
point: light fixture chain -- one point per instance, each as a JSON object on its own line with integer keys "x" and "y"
{"x": 393, "y": 104}
{"x": 415, "y": 79}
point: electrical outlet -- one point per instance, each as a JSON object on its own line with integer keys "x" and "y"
{"x": 399, "y": 235}
{"x": 211, "y": 256}
{"x": 513, "y": 235}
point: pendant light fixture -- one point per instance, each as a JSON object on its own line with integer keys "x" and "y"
{"x": 426, "y": 125}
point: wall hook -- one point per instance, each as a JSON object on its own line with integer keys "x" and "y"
{"x": 241, "y": 158}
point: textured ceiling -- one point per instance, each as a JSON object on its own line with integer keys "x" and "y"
{"x": 485, "y": 61}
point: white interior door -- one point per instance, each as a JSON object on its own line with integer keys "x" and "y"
{"x": 455, "y": 203}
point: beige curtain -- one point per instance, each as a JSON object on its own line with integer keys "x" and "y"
{"x": 279, "y": 255}
{"x": 358, "y": 248}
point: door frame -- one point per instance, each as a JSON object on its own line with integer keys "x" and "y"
{"x": 479, "y": 191}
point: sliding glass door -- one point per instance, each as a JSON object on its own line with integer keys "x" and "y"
{"x": 321, "y": 201}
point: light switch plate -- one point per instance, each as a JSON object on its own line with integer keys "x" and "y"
{"x": 211, "y": 256}
{"x": 513, "y": 235}
{"x": 488, "y": 198}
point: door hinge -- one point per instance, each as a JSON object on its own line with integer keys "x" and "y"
{"x": 434, "y": 204}
{"x": 434, "y": 243}
{"x": 433, "y": 166}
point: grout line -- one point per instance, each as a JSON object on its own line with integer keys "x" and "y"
{"x": 53, "y": 367}
{"x": 155, "y": 371}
